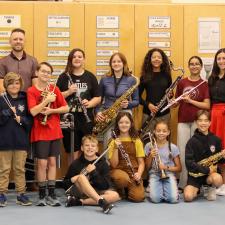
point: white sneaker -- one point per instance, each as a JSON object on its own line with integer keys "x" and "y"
{"x": 211, "y": 196}
{"x": 221, "y": 190}
{"x": 204, "y": 190}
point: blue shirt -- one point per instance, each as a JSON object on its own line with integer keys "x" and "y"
{"x": 110, "y": 93}
{"x": 164, "y": 155}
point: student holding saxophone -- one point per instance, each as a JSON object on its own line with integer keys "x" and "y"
{"x": 118, "y": 85}
{"x": 45, "y": 102}
{"x": 202, "y": 153}
{"x": 81, "y": 90}
{"x": 163, "y": 162}
{"x": 188, "y": 107}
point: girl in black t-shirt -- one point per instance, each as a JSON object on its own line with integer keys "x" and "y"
{"x": 80, "y": 88}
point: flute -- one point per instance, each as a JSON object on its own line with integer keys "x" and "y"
{"x": 173, "y": 102}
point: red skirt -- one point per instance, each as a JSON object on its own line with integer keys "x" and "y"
{"x": 218, "y": 121}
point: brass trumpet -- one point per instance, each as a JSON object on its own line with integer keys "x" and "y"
{"x": 44, "y": 95}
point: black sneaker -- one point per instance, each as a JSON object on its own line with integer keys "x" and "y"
{"x": 106, "y": 207}
{"x": 3, "y": 200}
{"x": 23, "y": 200}
{"x": 72, "y": 201}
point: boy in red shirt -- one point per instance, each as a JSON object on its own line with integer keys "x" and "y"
{"x": 46, "y": 132}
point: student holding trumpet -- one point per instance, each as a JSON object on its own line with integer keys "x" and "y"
{"x": 163, "y": 162}
{"x": 45, "y": 103}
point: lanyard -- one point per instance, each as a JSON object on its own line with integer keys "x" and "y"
{"x": 116, "y": 83}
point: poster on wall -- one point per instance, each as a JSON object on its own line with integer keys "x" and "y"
{"x": 209, "y": 34}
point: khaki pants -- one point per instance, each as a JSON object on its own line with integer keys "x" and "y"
{"x": 122, "y": 180}
{"x": 17, "y": 160}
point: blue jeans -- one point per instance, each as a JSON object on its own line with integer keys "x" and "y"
{"x": 163, "y": 190}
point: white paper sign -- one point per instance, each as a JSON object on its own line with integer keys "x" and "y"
{"x": 10, "y": 20}
{"x": 107, "y": 34}
{"x": 209, "y": 35}
{"x": 101, "y": 72}
{"x": 107, "y": 22}
{"x": 57, "y": 72}
{"x": 159, "y": 22}
{"x": 105, "y": 52}
{"x": 58, "y": 62}
{"x": 4, "y": 52}
{"x": 4, "y": 43}
{"x": 58, "y": 21}
{"x": 158, "y": 44}
{"x": 58, "y": 53}
{"x": 159, "y": 34}
{"x": 107, "y": 43}
{"x": 58, "y": 44}
{"x": 102, "y": 62}
{"x": 5, "y": 33}
{"x": 58, "y": 34}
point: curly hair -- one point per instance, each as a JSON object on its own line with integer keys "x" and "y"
{"x": 147, "y": 68}
{"x": 132, "y": 131}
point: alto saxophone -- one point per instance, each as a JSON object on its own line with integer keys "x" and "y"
{"x": 207, "y": 162}
{"x": 111, "y": 113}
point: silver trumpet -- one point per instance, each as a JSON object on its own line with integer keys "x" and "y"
{"x": 156, "y": 159}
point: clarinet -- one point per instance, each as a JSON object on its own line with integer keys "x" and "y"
{"x": 84, "y": 109}
{"x": 84, "y": 170}
{"x": 126, "y": 157}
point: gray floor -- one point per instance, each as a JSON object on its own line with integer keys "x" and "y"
{"x": 200, "y": 212}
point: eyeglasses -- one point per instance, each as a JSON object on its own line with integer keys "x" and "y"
{"x": 45, "y": 71}
{"x": 194, "y": 64}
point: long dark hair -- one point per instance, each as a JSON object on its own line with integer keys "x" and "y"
{"x": 132, "y": 131}
{"x": 69, "y": 67}
{"x": 147, "y": 69}
{"x": 215, "y": 70}
{"x": 169, "y": 136}
{"x": 122, "y": 57}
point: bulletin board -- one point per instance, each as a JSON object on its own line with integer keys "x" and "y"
{"x": 108, "y": 28}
